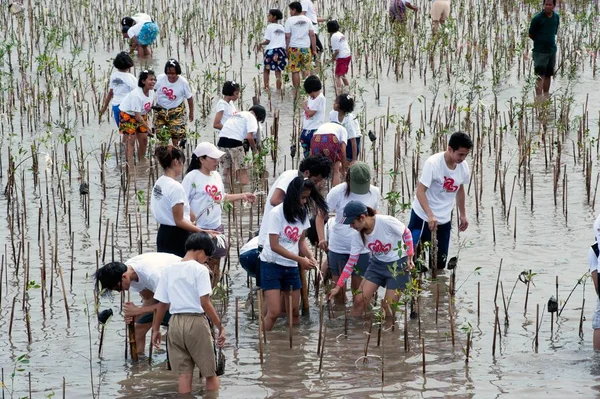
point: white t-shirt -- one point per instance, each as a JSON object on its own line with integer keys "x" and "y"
{"x": 250, "y": 245}
{"x": 149, "y": 268}
{"x": 141, "y": 17}
{"x": 275, "y": 34}
{"x": 318, "y": 104}
{"x": 339, "y": 43}
{"x": 282, "y": 183}
{"x": 442, "y": 185}
{"x": 289, "y": 237}
{"x": 597, "y": 229}
{"x": 299, "y": 27}
{"x": 121, "y": 84}
{"x": 228, "y": 109}
{"x": 137, "y": 101}
{"x": 350, "y": 122}
{"x": 182, "y": 284}
{"x": 384, "y": 241}
{"x": 167, "y": 193}
{"x": 341, "y": 235}
{"x": 171, "y": 95}
{"x": 239, "y": 125}
{"x": 333, "y": 128}
{"x": 205, "y": 194}
{"x": 309, "y": 8}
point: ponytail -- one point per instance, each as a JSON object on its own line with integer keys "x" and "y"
{"x": 194, "y": 164}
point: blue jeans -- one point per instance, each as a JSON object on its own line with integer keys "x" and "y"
{"x": 277, "y": 277}
{"x": 249, "y": 261}
{"x": 420, "y": 232}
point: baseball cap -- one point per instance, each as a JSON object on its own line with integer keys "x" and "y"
{"x": 208, "y": 149}
{"x": 352, "y": 210}
{"x": 360, "y": 178}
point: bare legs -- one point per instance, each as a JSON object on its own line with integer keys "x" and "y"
{"x": 273, "y": 305}
{"x": 543, "y": 85}
{"x": 185, "y": 383}
{"x": 129, "y": 141}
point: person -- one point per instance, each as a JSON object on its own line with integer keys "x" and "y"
{"x": 134, "y": 123}
{"x": 300, "y": 43}
{"x": 285, "y": 250}
{"x": 205, "y": 192}
{"x": 542, "y": 30}
{"x": 391, "y": 247}
{"x": 342, "y": 56}
{"x": 440, "y": 11}
{"x": 330, "y": 140}
{"x": 139, "y": 274}
{"x": 169, "y": 204}
{"x": 241, "y": 125}
{"x": 121, "y": 83}
{"x": 442, "y": 181}
{"x": 314, "y": 111}
{"x": 342, "y": 114}
{"x": 249, "y": 257}
{"x": 184, "y": 290}
{"x": 397, "y": 10}
{"x": 142, "y": 32}
{"x": 275, "y": 56}
{"x": 593, "y": 254}
{"x": 357, "y": 187}
{"x": 225, "y": 107}
{"x": 172, "y": 92}
{"x": 308, "y": 9}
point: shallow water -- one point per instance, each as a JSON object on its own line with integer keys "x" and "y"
{"x": 547, "y": 243}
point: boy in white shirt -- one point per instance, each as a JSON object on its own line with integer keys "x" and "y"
{"x": 275, "y": 54}
{"x": 442, "y": 181}
{"x": 314, "y": 111}
{"x": 184, "y": 290}
{"x": 300, "y": 43}
{"x": 341, "y": 54}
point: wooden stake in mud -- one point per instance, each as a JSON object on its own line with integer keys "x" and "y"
{"x": 406, "y": 344}
{"x": 322, "y": 349}
{"x": 505, "y": 305}
{"x": 62, "y": 284}
{"x": 498, "y": 282}
{"x": 12, "y": 316}
{"x": 321, "y": 317}
{"x": 451, "y": 320}
{"x": 478, "y": 299}
{"x": 150, "y": 349}
{"x": 437, "y": 301}
{"x": 495, "y": 332}
{"x": 102, "y": 340}
{"x": 468, "y": 346}
{"x": 423, "y": 353}
{"x": 537, "y": 323}
{"x": 132, "y": 344}
{"x": 237, "y": 316}
{"x": 527, "y": 294}
{"x": 290, "y": 315}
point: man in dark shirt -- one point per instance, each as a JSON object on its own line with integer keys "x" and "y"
{"x": 543, "y": 30}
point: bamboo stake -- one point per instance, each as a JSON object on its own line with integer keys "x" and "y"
{"x": 423, "y": 353}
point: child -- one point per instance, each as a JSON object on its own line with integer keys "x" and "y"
{"x": 330, "y": 141}
{"x": 341, "y": 54}
{"x": 314, "y": 111}
{"x": 142, "y": 31}
{"x": 226, "y": 106}
{"x": 184, "y": 289}
{"x": 122, "y": 82}
{"x": 286, "y": 250}
{"x": 275, "y": 54}
{"x": 342, "y": 114}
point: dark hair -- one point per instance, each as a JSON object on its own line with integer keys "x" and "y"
{"x": 276, "y": 13}
{"x": 312, "y": 84}
{"x": 172, "y": 63}
{"x": 293, "y": 210}
{"x": 166, "y": 154}
{"x": 460, "y": 140}
{"x": 317, "y": 165}
{"x": 144, "y": 75}
{"x": 200, "y": 241}
{"x": 333, "y": 26}
{"x": 553, "y": 2}
{"x": 230, "y": 87}
{"x": 259, "y": 112}
{"x": 194, "y": 163}
{"x": 127, "y": 22}
{"x": 123, "y": 61}
{"x": 370, "y": 212}
{"x": 345, "y": 103}
{"x": 348, "y": 191}
{"x": 109, "y": 276}
{"x": 311, "y": 232}
{"x": 295, "y": 5}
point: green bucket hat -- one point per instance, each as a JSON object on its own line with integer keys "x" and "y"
{"x": 360, "y": 178}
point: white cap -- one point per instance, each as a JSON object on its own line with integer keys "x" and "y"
{"x": 209, "y": 149}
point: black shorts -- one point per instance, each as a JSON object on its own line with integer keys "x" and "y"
{"x": 544, "y": 63}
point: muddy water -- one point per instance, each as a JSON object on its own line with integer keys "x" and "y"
{"x": 547, "y": 242}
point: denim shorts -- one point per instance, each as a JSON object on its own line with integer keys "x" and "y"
{"x": 249, "y": 261}
{"x": 380, "y": 273}
{"x": 116, "y": 111}
{"x": 277, "y": 277}
{"x": 148, "y": 317}
{"x": 337, "y": 262}
{"x": 305, "y": 139}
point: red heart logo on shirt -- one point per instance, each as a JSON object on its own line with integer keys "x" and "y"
{"x": 378, "y": 247}
{"x": 147, "y": 106}
{"x": 292, "y": 233}
{"x": 169, "y": 93}
{"x": 213, "y": 191}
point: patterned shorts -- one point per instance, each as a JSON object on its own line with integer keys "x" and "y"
{"x": 275, "y": 59}
{"x": 129, "y": 126}
{"x": 300, "y": 59}
{"x": 148, "y": 34}
{"x": 174, "y": 119}
{"x": 233, "y": 158}
{"x": 327, "y": 145}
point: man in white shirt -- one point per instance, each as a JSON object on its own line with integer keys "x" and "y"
{"x": 300, "y": 43}
{"x": 442, "y": 181}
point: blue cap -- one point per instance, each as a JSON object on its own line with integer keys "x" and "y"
{"x": 352, "y": 210}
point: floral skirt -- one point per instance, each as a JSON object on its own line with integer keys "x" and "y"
{"x": 327, "y": 145}
{"x": 129, "y": 126}
{"x": 174, "y": 119}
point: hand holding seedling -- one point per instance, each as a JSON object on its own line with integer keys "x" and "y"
{"x": 433, "y": 223}
{"x": 334, "y": 291}
{"x": 131, "y": 310}
{"x": 250, "y": 197}
{"x": 307, "y": 263}
{"x": 323, "y": 245}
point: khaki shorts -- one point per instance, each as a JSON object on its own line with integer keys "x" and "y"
{"x": 233, "y": 158}
{"x": 190, "y": 343}
{"x": 440, "y": 10}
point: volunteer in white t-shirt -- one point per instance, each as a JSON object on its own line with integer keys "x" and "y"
{"x": 308, "y": 9}
{"x": 205, "y": 192}
{"x": 341, "y": 54}
{"x": 142, "y": 31}
{"x": 357, "y": 187}
{"x": 301, "y": 44}
{"x": 225, "y": 107}
{"x": 330, "y": 140}
{"x": 139, "y": 274}
{"x": 172, "y": 92}
{"x": 442, "y": 181}
{"x": 121, "y": 83}
{"x": 285, "y": 250}
{"x": 241, "y": 126}
{"x": 391, "y": 247}
{"x": 169, "y": 204}
{"x": 275, "y": 55}
{"x": 342, "y": 114}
